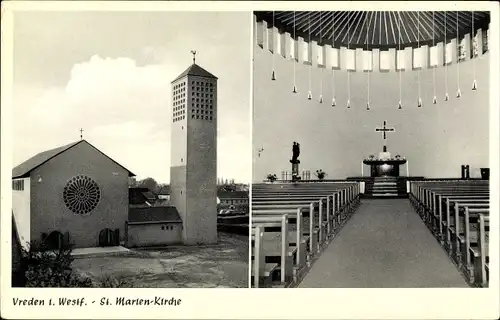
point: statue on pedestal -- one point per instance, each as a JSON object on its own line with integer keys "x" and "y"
{"x": 295, "y": 161}
{"x": 295, "y": 153}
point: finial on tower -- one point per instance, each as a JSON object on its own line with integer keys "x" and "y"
{"x": 194, "y": 56}
{"x": 81, "y": 134}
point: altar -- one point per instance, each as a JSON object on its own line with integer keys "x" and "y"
{"x": 384, "y": 165}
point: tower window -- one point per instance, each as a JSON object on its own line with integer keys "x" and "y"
{"x": 210, "y": 118}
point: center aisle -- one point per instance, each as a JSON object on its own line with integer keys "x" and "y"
{"x": 384, "y": 245}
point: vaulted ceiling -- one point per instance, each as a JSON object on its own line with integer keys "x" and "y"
{"x": 375, "y": 29}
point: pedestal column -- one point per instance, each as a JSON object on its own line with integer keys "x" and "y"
{"x": 295, "y": 170}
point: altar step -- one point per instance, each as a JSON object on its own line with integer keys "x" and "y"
{"x": 385, "y": 187}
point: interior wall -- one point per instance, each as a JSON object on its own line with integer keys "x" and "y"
{"x": 436, "y": 139}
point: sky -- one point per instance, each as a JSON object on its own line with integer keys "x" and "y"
{"x": 110, "y": 72}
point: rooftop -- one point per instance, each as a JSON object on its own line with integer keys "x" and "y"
{"x": 195, "y": 70}
{"x": 153, "y": 214}
{"x": 24, "y": 169}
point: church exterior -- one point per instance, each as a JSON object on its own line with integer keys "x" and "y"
{"x": 73, "y": 194}
{"x": 77, "y": 195}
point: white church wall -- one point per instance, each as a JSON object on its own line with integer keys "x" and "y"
{"x": 442, "y": 136}
{"x": 48, "y": 210}
{"x": 154, "y": 234}
{"x": 385, "y": 60}
{"x": 21, "y": 208}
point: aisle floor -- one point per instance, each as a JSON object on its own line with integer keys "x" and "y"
{"x": 385, "y": 244}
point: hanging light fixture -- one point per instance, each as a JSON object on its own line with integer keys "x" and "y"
{"x": 347, "y": 69}
{"x": 458, "y": 63}
{"x": 474, "y": 83}
{"x": 309, "y": 51}
{"x": 294, "y": 57}
{"x": 320, "y": 100}
{"x": 334, "y": 103}
{"x": 367, "y": 74}
{"x": 446, "y": 97}
{"x": 400, "y": 104}
{"x": 273, "y": 76}
{"x": 419, "y": 102}
{"x": 434, "y": 98}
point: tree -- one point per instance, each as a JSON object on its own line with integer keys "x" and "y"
{"x": 320, "y": 174}
{"x": 149, "y": 183}
{"x": 50, "y": 268}
{"x": 165, "y": 187}
{"x": 44, "y": 267}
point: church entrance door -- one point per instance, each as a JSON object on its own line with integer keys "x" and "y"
{"x": 54, "y": 241}
{"x": 109, "y": 238}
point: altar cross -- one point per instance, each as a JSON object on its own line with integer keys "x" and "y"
{"x": 384, "y": 130}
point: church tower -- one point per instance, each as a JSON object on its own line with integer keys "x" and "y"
{"x": 193, "y": 171}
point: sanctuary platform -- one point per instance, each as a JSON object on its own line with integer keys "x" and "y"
{"x": 387, "y": 187}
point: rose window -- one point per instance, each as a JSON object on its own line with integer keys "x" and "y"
{"x": 81, "y": 194}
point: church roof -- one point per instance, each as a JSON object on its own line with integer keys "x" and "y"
{"x": 375, "y": 29}
{"x": 195, "y": 70}
{"x": 24, "y": 169}
{"x": 153, "y": 214}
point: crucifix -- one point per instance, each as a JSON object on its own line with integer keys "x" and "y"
{"x": 81, "y": 134}
{"x": 384, "y": 130}
{"x": 194, "y": 56}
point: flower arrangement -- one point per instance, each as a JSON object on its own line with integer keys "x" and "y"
{"x": 320, "y": 174}
{"x": 272, "y": 177}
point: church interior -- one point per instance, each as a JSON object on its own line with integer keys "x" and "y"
{"x": 388, "y": 184}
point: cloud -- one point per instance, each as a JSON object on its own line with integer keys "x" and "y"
{"x": 124, "y": 110}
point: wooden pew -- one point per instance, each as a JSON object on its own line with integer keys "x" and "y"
{"x": 461, "y": 209}
{"x": 418, "y": 194}
{"x": 437, "y": 194}
{"x": 449, "y": 200}
{"x": 457, "y": 228}
{"x": 266, "y": 251}
{"x": 470, "y": 244}
{"x": 321, "y": 229}
{"x": 482, "y": 264}
{"x": 298, "y": 237}
{"x": 271, "y": 202}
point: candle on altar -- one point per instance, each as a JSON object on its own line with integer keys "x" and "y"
{"x": 362, "y": 169}
{"x": 407, "y": 169}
